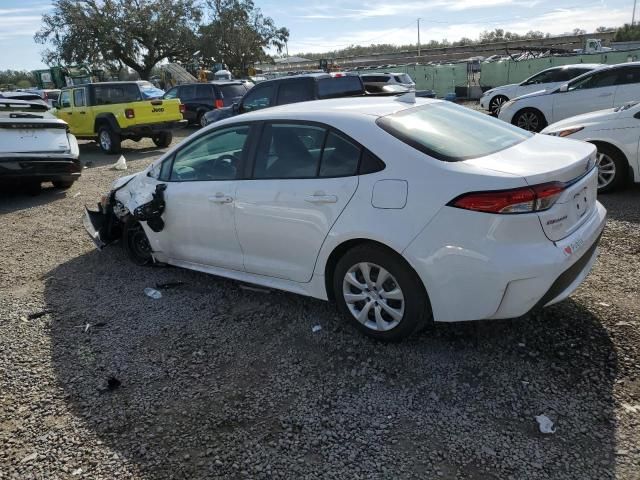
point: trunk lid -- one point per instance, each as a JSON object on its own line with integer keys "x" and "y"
{"x": 543, "y": 159}
{"x": 32, "y": 134}
{"x": 154, "y": 111}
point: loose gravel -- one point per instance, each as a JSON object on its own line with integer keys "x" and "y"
{"x": 99, "y": 381}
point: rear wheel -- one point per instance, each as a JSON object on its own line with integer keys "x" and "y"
{"x": 380, "y": 293}
{"x": 530, "y": 119}
{"x": 496, "y": 103}
{"x": 108, "y": 140}
{"x": 163, "y": 139}
{"x": 612, "y": 168}
{"x": 136, "y": 243}
{"x": 202, "y": 120}
{"x": 63, "y": 184}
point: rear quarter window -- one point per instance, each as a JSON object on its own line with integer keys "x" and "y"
{"x": 109, "y": 94}
{"x": 451, "y": 133}
{"x": 232, "y": 91}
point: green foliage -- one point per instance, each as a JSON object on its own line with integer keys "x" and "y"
{"x": 627, "y": 33}
{"x": 19, "y": 78}
{"x": 113, "y": 33}
{"x": 238, "y": 33}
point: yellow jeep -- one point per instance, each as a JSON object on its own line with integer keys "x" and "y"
{"x": 110, "y": 112}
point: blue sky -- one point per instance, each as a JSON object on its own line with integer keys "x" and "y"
{"x": 318, "y": 26}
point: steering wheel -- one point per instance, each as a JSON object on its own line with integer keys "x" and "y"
{"x": 228, "y": 156}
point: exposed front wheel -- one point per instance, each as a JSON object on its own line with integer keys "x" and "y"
{"x": 380, "y": 293}
{"x": 63, "y": 184}
{"x": 163, "y": 139}
{"x": 530, "y": 119}
{"x": 108, "y": 140}
{"x": 496, "y": 103}
{"x": 612, "y": 168}
{"x": 136, "y": 243}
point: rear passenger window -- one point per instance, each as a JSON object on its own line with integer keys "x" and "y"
{"x": 204, "y": 91}
{"x": 340, "y": 157}
{"x": 289, "y": 151}
{"x": 187, "y": 92}
{"x": 293, "y": 92}
{"x": 78, "y": 97}
{"x": 108, "y": 94}
{"x": 369, "y": 163}
{"x": 628, "y": 75}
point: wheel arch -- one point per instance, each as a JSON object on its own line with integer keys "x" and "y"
{"x": 338, "y": 252}
{"x": 529, "y": 108}
{"x": 605, "y": 143}
{"x": 106, "y": 119}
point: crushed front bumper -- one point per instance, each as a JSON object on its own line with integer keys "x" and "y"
{"x": 95, "y": 223}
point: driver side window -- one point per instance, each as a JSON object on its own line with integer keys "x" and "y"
{"x": 65, "y": 99}
{"x": 215, "y": 156}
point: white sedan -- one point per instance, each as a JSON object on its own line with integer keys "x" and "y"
{"x": 402, "y": 210}
{"x": 616, "y": 134}
{"x": 606, "y": 87}
{"x": 548, "y": 79}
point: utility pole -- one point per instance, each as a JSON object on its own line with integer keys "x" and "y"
{"x": 633, "y": 15}
{"x": 419, "y": 33}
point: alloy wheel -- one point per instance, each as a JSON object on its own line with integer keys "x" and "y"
{"x": 528, "y": 121}
{"x": 373, "y": 296}
{"x": 105, "y": 140}
{"x": 496, "y": 105}
{"x": 606, "y": 170}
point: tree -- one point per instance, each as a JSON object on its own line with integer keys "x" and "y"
{"x": 579, "y": 31}
{"x": 627, "y": 33}
{"x": 238, "y": 34}
{"x": 135, "y": 33}
{"x": 22, "y": 79}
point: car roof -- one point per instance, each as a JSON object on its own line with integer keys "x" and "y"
{"x": 322, "y": 109}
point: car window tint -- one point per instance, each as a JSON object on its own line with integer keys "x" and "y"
{"x": 232, "y": 91}
{"x": 543, "y": 77}
{"x": 628, "y": 75}
{"x": 450, "y": 132}
{"x": 214, "y": 156}
{"x": 289, "y": 151}
{"x": 204, "y": 91}
{"x": 173, "y": 93}
{"x": 187, "y": 92}
{"x": 376, "y": 78}
{"x": 65, "y": 99}
{"x": 596, "y": 80}
{"x": 340, "y": 86}
{"x": 259, "y": 97}
{"x": 340, "y": 157}
{"x": 78, "y": 97}
{"x": 108, "y": 94}
{"x": 369, "y": 163}
{"x": 296, "y": 91}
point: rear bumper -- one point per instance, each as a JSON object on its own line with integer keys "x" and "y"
{"x": 494, "y": 269}
{"x": 150, "y": 129}
{"x": 25, "y": 169}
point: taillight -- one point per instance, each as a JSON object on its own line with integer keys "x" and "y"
{"x": 518, "y": 200}
{"x": 129, "y": 113}
{"x": 219, "y": 104}
{"x": 182, "y": 108}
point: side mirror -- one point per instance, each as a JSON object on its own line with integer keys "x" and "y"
{"x": 235, "y": 107}
{"x": 637, "y": 115}
{"x": 54, "y": 103}
{"x": 564, "y": 88}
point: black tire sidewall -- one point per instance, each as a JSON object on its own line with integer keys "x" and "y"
{"x": 115, "y": 140}
{"x": 542, "y": 122}
{"x": 63, "y": 184}
{"x": 129, "y": 225}
{"x": 492, "y": 102}
{"x": 163, "y": 139}
{"x": 417, "y": 311}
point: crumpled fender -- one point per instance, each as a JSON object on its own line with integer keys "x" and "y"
{"x": 143, "y": 197}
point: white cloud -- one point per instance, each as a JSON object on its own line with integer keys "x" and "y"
{"x": 21, "y": 22}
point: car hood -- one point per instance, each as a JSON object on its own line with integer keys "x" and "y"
{"x": 591, "y": 118}
{"x": 537, "y": 93}
{"x": 501, "y": 88}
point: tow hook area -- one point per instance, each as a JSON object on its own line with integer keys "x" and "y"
{"x": 151, "y": 212}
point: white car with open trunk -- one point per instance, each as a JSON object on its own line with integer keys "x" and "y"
{"x": 385, "y": 205}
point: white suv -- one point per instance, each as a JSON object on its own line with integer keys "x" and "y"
{"x": 607, "y": 87}
{"x": 548, "y": 79}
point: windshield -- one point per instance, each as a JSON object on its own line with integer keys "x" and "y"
{"x": 452, "y": 133}
{"x": 148, "y": 90}
{"x": 340, "y": 86}
{"x": 232, "y": 91}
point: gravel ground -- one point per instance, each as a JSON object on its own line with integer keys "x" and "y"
{"x": 216, "y": 381}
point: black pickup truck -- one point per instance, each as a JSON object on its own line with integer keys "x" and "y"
{"x": 292, "y": 89}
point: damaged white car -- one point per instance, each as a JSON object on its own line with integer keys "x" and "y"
{"x": 384, "y": 205}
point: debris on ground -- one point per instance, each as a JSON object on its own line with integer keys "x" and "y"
{"x": 121, "y": 164}
{"x": 152, "y": 293}
{"x": 113, "y": 383}
{"x": 37, "y": 315}
{"x": 28, "y": 458}
{"x": 316, "y": 328}
{"x": 545, "y": 424}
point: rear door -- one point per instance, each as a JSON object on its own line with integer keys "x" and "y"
{"x": 588, "y": 94}
{"x": 302, "y": 178}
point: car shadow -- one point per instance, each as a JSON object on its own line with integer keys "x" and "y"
{"x": 211, "y": 377}
{"x": 17, "y": 197}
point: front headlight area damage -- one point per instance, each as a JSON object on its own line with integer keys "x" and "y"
{"x": 109, "y": 223}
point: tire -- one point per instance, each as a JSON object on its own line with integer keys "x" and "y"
{"x": 63, "y": 184}
{"x": 136, "y": 243}
{"x": 163, "y": 139}
{"x": 108, "y": 140}
{"x": 201, "y": 120}
{"x": 410, "y": 305}
{"x": 530, "y": 119}
{"x": 495, "y": 104}
{"x": 612, "y": 168}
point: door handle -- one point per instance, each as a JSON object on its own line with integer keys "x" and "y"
{"x": 82, "y": 113}
{"x": 220, "y": 198}
{"x": 321, "y": 198}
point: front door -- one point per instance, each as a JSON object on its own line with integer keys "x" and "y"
{"x": 588, "y": 94}
{"x": 65, "y": 110}
{"x": 200, "y": 199}
{"x": 303, "y": 177}
{"x": 83, "y": 121}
